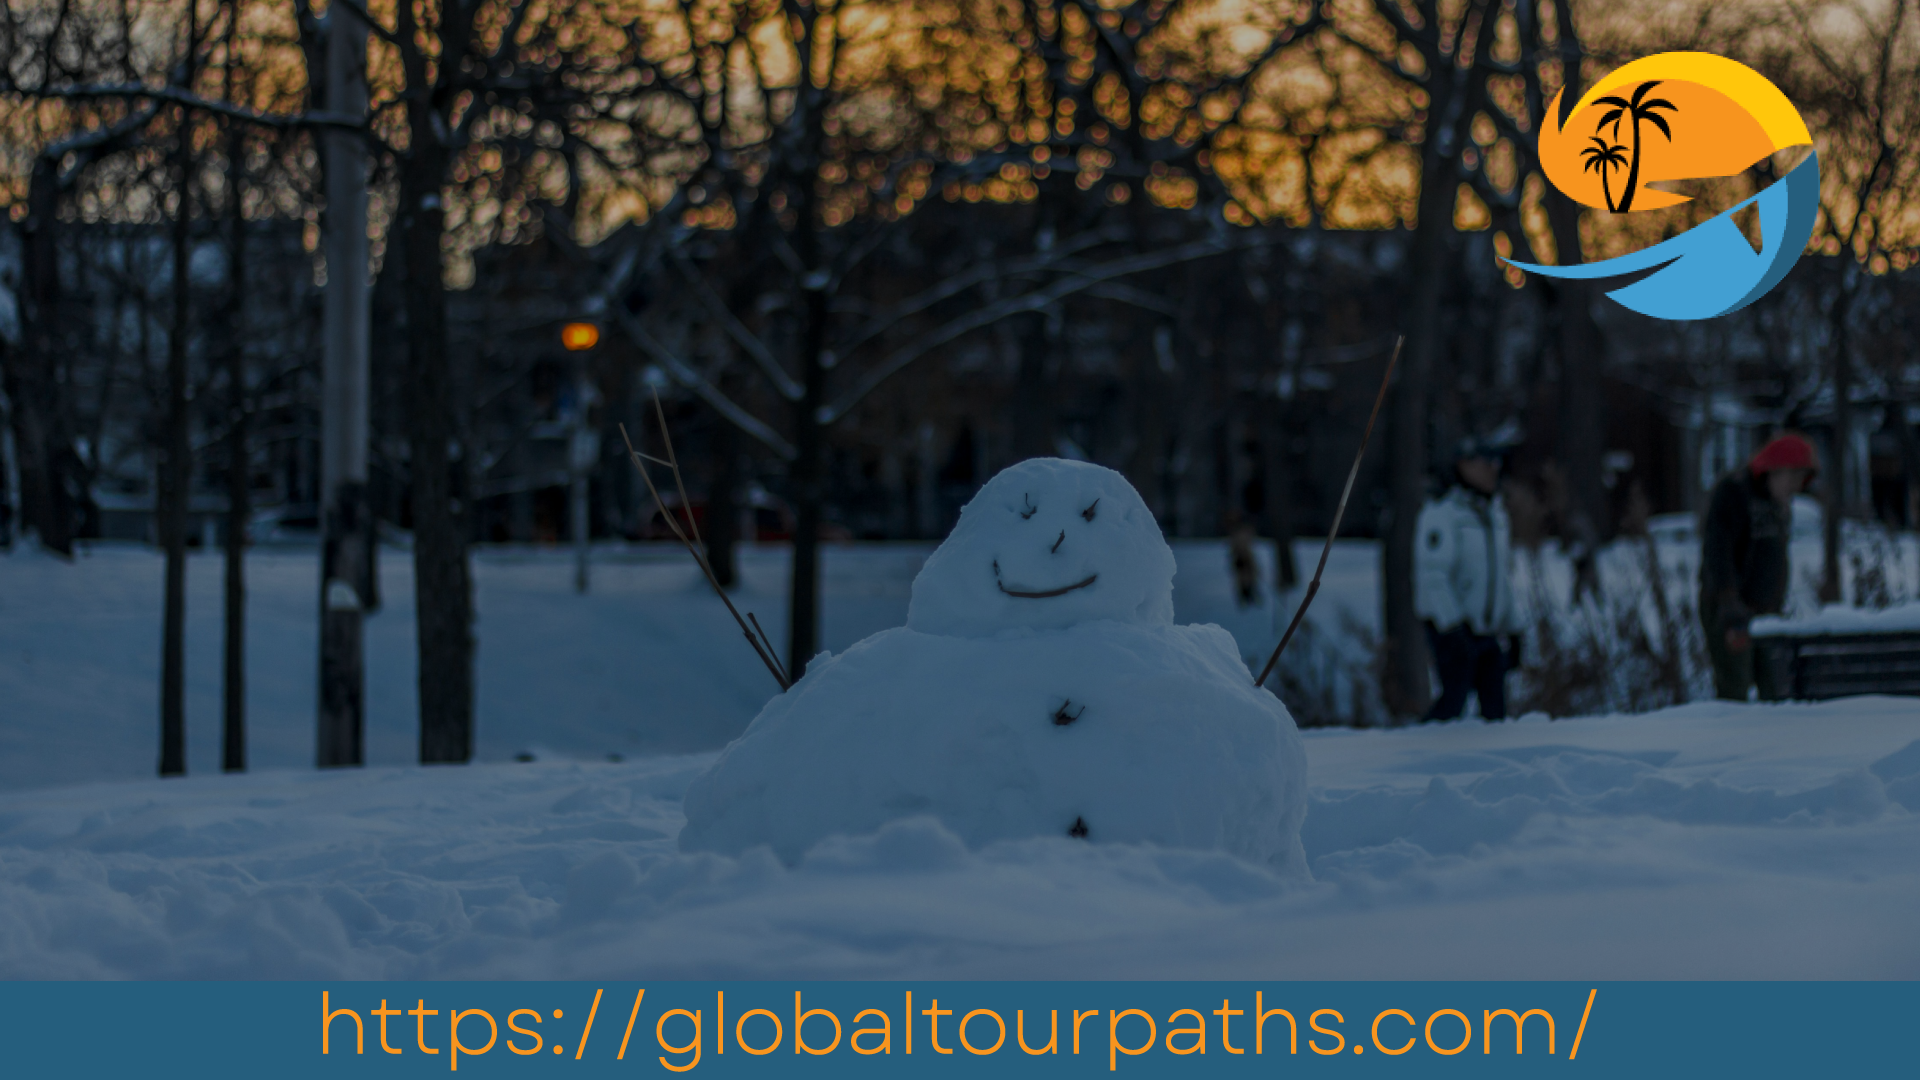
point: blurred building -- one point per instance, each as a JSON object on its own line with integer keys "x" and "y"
{"x": 1229, "y": 388}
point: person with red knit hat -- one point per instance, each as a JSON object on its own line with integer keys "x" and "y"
{"x": 1744, "y": 565}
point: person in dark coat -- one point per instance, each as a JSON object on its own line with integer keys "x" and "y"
{"x": 1744, "y": 564}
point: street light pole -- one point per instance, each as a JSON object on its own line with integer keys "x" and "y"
{"x": 583, "y": 449}
{"x": 346, "y": 554}
{"x": 583, "y": 444}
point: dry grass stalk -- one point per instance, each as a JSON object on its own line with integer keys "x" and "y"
{"x": 1314, "y": 585}
{"x": 762, "y": 647}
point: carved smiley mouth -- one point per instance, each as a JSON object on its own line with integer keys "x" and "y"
{"x": 1029, "y": 595}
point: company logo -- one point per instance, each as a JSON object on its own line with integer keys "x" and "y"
{"x": 1679, "y": 116}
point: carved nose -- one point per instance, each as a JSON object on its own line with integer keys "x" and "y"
{"x": 1057, "y": 543}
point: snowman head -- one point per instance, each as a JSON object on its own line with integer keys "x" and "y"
{"x": 1047, "y": 543}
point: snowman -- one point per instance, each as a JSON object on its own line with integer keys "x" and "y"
{"x": 1039, "y": 688}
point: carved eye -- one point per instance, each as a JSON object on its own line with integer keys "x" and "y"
{"x": 1088, "y": 512}
{"x": 1032, "y": 509}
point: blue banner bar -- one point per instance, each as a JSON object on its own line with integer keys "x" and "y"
{"x": 742, "y": 1029}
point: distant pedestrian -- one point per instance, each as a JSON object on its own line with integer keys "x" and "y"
{"x": 1463, "y": 586}
{"x": 1744, "y": 565}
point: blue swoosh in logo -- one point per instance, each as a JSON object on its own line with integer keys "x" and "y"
{"x": 1711, "y": 269}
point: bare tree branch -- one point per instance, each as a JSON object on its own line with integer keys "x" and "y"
{"x": 175, "y": 95}
{"x": 687, "y": 376}
{"x": 1034, "y": 301}
{"x": 975, "y": 275}
{"x": 786, "y": 385}
{"x": 373, "y": 25}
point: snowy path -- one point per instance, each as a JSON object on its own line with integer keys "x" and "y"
{"x": 1703, "y": 842}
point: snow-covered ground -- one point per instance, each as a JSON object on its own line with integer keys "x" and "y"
{"x": 1703, "y": 842}
{"x": 647, "y": 662}
{"x": 1709, "y": 841}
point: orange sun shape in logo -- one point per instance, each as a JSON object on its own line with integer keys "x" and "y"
{"x": 1672, "y": 116}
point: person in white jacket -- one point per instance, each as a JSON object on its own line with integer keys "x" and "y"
{"x": 1463, "y": 587}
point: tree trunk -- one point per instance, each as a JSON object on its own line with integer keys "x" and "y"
{"x": 233, "y": 713}
{"x": 387, "y": 391}
{"x": 443, "y": 598}
{"x": 1151, "y": 393}
{"x": 1033, "y": 412}
{"x": 46, "y": 504}
{"x": 176, "y": 474}
{"x": 1407, "y": 684}
{"x": 1276, "y": 488}
{"x": 583, "y": 450}
{"x": 926, "y": 484}
{"x": 808, "y": 488}
{"x": 1582, "y": 404}
{"x": 1837, "y": 480}
{"x": 9, "y": 478}
{"x": 723, "y": 500}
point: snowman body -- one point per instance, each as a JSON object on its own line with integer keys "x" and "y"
{"x": 1039, "y": 688}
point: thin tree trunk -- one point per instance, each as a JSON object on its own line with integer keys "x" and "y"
{"x": 1276, "y": 498}
{"x": 176, "y": 474}
{"x": 46, "y": 506}
{"x": 9, "y": 482}
{"x": 233, "y": 715}
{"x": 442, "y": 585}
{"x": 723, "y": 500}
{"x": 1152, "y": 391}
{"x": 926, "y": 484}
{"x": 582, "y": 451}
{"x": 809, "y": 488}
{"x": 1582, "y": 400}
{"x": 1407, "y": 684}
{"x": 1033, "y": 408}
{"x": 808, "y": 479}
{"x": 1838, "y": 478}
{"x": 387, "y": 387}
{"x": 443, "y": 598}
{"x": 1455, "y": 95}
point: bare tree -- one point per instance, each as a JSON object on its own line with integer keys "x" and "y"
{"x": 1854, "y": 70}
{"x": 235, "y": 86}
{"x": 46, "y": 51}
{"x": 510, "y": 76}
{"x": 91, "y": 62}
{"x": 1442, "y": 57}
{"x": 55, "y": 53}
{"x": 786, "y": 158}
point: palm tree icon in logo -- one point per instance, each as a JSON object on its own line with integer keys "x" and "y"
{"x": 1638, "y": 109}
{"x": 1603, "y": 158}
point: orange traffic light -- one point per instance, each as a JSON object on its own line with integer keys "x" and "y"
{"x": 579, "y": 336}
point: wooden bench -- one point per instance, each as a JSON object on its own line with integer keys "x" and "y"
{"x": 1815, "y": 667}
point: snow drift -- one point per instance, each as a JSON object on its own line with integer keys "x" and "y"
{"x": 1713, "y": 841}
